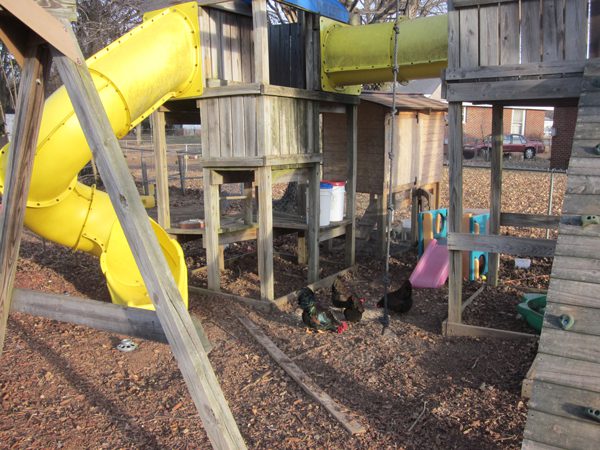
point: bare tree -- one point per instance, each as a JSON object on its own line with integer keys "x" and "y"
{"x": 372, "y": 11}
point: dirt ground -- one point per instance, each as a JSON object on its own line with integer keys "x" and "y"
{"x": 66, "y": 386}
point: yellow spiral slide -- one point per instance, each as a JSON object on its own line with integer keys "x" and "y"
{"x": 157, "y": 61}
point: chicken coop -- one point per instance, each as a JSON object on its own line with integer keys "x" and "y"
{"x": 418, "y": 153}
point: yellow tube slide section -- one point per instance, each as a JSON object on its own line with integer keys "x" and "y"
{"x": 152, "y": 63}
{"x": 355, "y": 55}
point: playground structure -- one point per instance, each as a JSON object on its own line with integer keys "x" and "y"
{"x": 516, "y": 53}
{"x": 418, "y": 154}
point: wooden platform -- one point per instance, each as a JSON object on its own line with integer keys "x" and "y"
{"x": 565, "y": 376}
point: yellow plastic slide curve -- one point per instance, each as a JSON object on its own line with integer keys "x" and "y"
{"x": 151, "y": 64}
{"x": 356, "y": 55}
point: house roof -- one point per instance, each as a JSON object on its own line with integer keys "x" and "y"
{"x": 426, "y": 86}
{"x": 405, "y": 102}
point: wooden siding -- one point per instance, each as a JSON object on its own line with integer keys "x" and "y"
{"x": 565, "y": 380}
{"x": 517, "y": 32}
{"x": 419, "y": 144}
{"x": 230, "y": 126}
{"x": 226, "y": 40}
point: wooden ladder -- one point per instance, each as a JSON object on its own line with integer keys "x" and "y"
{"x": 565, "y": 376}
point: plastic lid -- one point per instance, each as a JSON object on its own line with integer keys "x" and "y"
{"x": 326, "y": 185}
{"x": 334, "y": 183}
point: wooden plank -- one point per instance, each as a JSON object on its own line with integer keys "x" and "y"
{"x": 462, "y": 329}
{"x": 19, "y": 166}
{"x": 284, "y": 91}
{"x": 579, "y": 246}
{"x": 455, "y": 212}
{"x": 260, "y": 38}
{"x": 529, "y": 220}
{"x": 578, "y": 230}
{"x": 586, "y": 319}
{"x": 225, "y": 127}
{"x": 576, "y": 30}
{"x": 489, "y": 40}
{"x": 313, "y": 223}
{"x": 570, "y": 345}
{"x": 567, "y": 372}
{"x": 264, "y": 242}
{"x": 187, "y": 348}
{"x": 261, "y": 305}
{"x": 562, "y": 432}
{"x": 551, "y": 88}
{"x": 159, "y": 139}
{"x": 509, "y": 33}
{"x": 351, "y": 157}
{"x": 469, "y": 38}
{"x": 45, "y": 25}
{"x": 249, "y": 105}
{"x": 528, "y": 444}
{"x": 135, "y": 322}
{"x": 553, "y": 31}
{"x": 531, "y": 31}
{"x": 573, "y": 293}
{"x": 509, "y": 245}
{"x": 453, "y": 39}
{"x": 531, "y": 69}
{"x": 305, "y": 382}
{"x": 212, "y": 223}
{"x": 495, "y": 188}
{"x": 563, "y": 401}
{"x": 238, "y": 124}
{"x": 577, "y": 269}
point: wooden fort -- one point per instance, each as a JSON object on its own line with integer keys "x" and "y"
{"x": 260, "y": 115}
{"x": 531, "y": 52}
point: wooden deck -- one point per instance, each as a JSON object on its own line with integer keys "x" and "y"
{"x": 566, "y": 372}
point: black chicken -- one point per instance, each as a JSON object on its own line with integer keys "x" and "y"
{"x": 353, "y": 307}
{"x": 399, "y": 301}
{"x": 317, "y": 317}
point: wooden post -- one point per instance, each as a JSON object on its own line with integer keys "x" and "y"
{"x": 30, "y": 105}
{"x": 496, "y": 188}
{"x": 159, "y": 140}
{"x": 183, "y": 338}
{"x": 212, "y": 223}
{"x": 248, "y": 213}
{"x": 264, "y": 242}
{"x": 352, "y": 150}
{"x": 260, "y": 32}
{"x": 314, "y": 200}
{"x": 455, "y": 212}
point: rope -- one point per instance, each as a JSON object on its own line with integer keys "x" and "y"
{"x": 385, "y": 320}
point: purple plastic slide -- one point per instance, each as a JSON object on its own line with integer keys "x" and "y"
{"x": 432, "y": 269}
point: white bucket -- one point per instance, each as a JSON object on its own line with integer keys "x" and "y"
{"x": 325, "y": 204}
{"x": 338, "y": 200}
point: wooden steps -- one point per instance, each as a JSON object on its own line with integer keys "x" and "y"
{"x": 565, "y": 376}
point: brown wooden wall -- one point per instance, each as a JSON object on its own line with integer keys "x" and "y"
{"x": 516, "y": 32}
{"x": 229, "y": 126}
{"x": 419, "y": 148}
{"x": 226, "y": 40}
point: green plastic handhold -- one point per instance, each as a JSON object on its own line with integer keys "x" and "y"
{"x": 566, "y": 321}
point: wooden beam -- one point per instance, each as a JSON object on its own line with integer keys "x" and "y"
{"x": 30, "y": 105}
{"x": 306, "y": 383}
{"x": 539, "y": 69}
{"x": 455, "y": 212}
{"x": 313, "y": 222}
{"x": 212, "y": 223}
{"x": 264, "y": 241}
{"x": 185, "y": 343}
{"x": 159, "y": 138}
{"x": 261, "y": 305}
{"x": 462, "y": 329}
{"x": 260, "y": 35}
{"x": 44, "y": 25}
{"x": 351, "y": 157}
{"x": 135, "y": 322}
{"x": 496, "y": 188}
{"x": 529, "y": 220}
{"x": 509, "y": 245}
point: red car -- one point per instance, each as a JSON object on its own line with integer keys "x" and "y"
{"x": 513, "y": 143}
